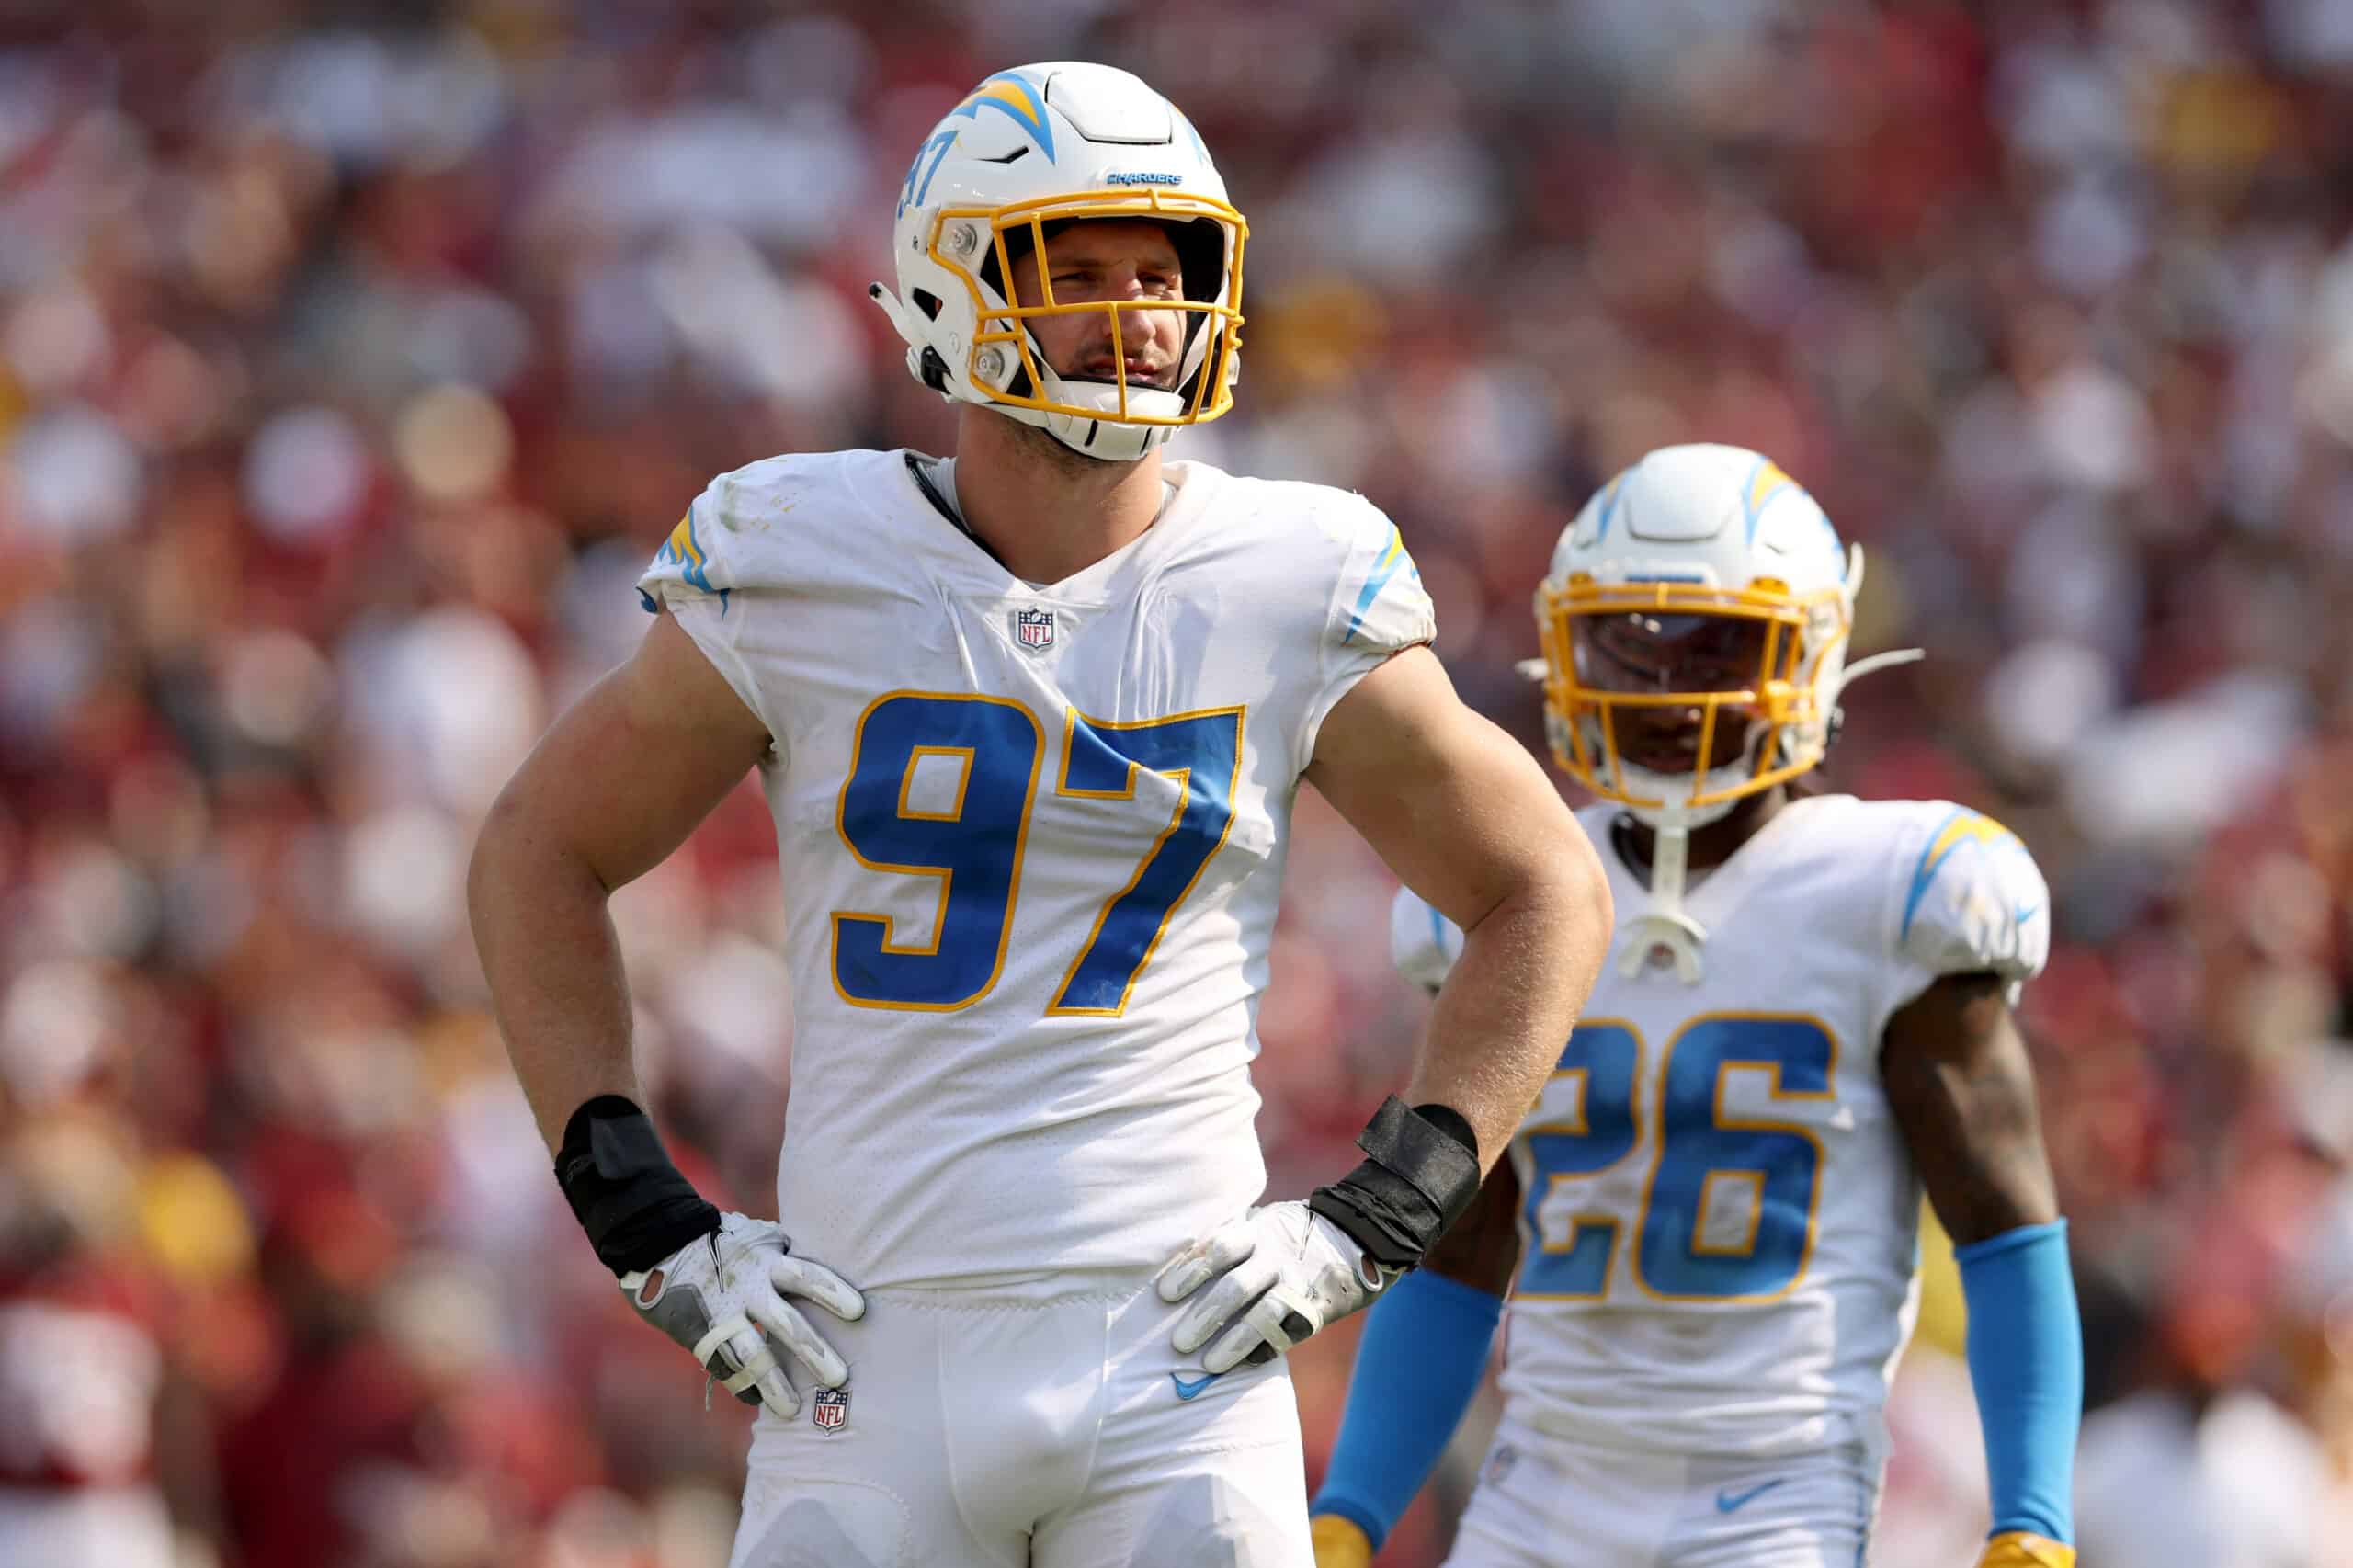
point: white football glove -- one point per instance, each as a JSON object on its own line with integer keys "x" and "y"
{"x": 723, "y": 1297}
{"x": 1282, "y": 1273}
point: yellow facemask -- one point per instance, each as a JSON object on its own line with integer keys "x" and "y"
{"x": 963, "y": 235}
{"x": 1785, "y": 700}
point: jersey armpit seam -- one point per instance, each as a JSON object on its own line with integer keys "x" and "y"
{"x": 1894, "y": 956}
{"x": 749, "y": 690}
{"x": 1329, "y": 643}
{"x": 1303, "y": 732}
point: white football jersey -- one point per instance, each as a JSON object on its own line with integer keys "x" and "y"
{"x": 1032, "y": 841}
{"x": 1718, "y": 1214}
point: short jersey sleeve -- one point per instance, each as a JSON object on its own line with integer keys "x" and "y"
{"x": 1423, "y": 943}
{"x": 1969, "y": 900}
{"x": 722, "y": 569}
{"x": 1378, "y": 606}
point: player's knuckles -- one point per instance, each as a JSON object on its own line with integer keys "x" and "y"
{"x": 1180, "y": 1279}
{"x": 1228, "y": 1298}
{"x": 1235, "y": 1293}
{"x": 1229, "y": 1245}
{"x": 1187, "y": 1272}
{"x": 1195, "y": 1327}
{"x": 744, "y": 1259}
{"x": 1235, "y": 1290}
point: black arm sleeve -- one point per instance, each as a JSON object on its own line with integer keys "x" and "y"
{"x": 635, "y": 1204}
{"x": 1420, "y": 1173}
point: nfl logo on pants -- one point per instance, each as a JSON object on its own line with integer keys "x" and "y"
{"x": 830, "y": 1409}
{"x": 1034, "y": 629}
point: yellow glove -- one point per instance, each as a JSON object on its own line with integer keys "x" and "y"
{"x": 1339, "y": 1543}
{"x": 2017, "y": 1549}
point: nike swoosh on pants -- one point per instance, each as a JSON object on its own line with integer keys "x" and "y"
{"x": 1733, "y": 1502}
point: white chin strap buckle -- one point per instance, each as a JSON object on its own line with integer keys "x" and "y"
{"x": 1674, "y": 931}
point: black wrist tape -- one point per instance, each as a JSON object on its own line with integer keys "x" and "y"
{"x": 1420, "y": 1174}
{"x": 634, "y": 1204}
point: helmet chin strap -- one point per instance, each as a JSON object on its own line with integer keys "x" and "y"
{"x": 1663, "y": 923}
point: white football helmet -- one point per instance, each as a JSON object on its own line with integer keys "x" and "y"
{"x": 1706, "y": 581}
{"x": 1040, "y": 145}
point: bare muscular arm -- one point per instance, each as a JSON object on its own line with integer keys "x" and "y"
{"x": 1467, "y": 820}
{"x": 616, "y": 784}
{"x": 1962, "y": 1090}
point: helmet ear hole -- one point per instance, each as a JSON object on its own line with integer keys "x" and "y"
{"x": 1200, "y": 256}
{"x": 926, "y": 301}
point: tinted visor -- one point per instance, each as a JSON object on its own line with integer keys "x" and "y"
{"x": 1645, "y": 653}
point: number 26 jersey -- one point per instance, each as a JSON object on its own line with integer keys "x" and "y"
{"x": 1031, "y": 840}
{"x": 1719, "y": 1217}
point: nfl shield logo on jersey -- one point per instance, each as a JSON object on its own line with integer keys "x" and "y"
{"x": 1034, "y": 629}
{"x": 830, "y": 1409}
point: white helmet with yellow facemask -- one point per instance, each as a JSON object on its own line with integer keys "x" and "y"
{"x": 1694, "y": 624}
{"x": 1028, "y": 151}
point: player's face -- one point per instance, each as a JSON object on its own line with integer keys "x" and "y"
{"x": 1644, "y": 653}
{"x": 1103, "y": 259}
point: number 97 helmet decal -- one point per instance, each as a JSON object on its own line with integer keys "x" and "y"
{"x": 1028, "y": 151}
{"x": 1694, "y": 625}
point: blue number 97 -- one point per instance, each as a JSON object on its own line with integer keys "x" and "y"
{"x": 975, "y": 846}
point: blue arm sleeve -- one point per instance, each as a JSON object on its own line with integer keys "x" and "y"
{"x": 2026, "y": 1361}
{"x": 1424, "y": 1349}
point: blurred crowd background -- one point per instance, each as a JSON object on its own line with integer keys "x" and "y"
{"x": 354, "y": 357}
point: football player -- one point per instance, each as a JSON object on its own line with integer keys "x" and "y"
{"x": 1707, "y": 1223}
{"x": 1032, "y": 723}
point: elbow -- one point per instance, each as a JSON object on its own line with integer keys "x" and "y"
{"x": 518, "y": 854}
{"x": 1593, "y": 884}
{"x": 1559, "y": 894}
{"x": 485, "y": 870}
{"x": 1580, "y": 888}
{"x": 1583, "y": 914}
